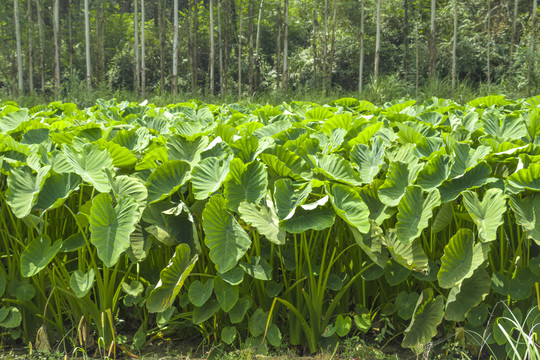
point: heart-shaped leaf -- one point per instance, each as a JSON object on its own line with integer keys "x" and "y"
{"x": 81, "y": 283}
{"x": 245, "y": 183}
{"x": 89, "y": 164}
{"x": 226, "y": 294}
{"x": 264, "y": 219}
{"x": 38, "y": 254}
{"x": 486, "y": 214}
{"x": 199, "y": 293}
{"x": 414, "y": 212}
{"x": 207, "y": 176}
{"x": 167, "y": 179}
{"x": 463, "y": 297}
{"x": 23, "y": 189}
{"x": 349, "y": 206}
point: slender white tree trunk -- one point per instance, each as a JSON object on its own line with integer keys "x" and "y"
{"x": 432, "y": 43}
{"x": 286, "y": 47}
{"x": 175, "y": 49}
{"x": 377, "y": 42}
{"x": 56, "y": 28}
{"x": 211, "y": 47}
{"x": 361, "y": 65}
{"x": 489, "y": 46}
{"x": 143, "y": 65}
{"x": 87, "y": 40}
{"x": 454, "y": 49}
{"x": 513, "y": 39}
{"x": 41, "y": 46}
{"x": 240, "y": 51}
{"x": 325, "y": 46}
{"x": 257, "y": 41}
{"x": 30, "y": 49}
{"x": 136, "y": 45}
{"x": 220, "y": 45}
{"x": 18, "y": 40}
{"x": 417, "y": 47}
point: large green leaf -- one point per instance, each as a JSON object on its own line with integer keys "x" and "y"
{"x": 428, "y": 314}
{"x": 245, "y": 183}
{"x": 414, "y": 212}
{"x": 527, "y": 211}
{"x": 171, "y": 280}
{"x": 368, "y": 160}
{"x": 466, "y": 158}
{"x": 486, "y": 214}
{"x": 336, "y": 168}
{"x": 319, "y": 218}
{"x": 11, "y": 317}
{"x": 199, "y": 293}
{"x": 226, "y": 294}
{"x": 349, "y": 206}
{"x": 472, "y": 179}
{"x": 207, "y": 176}
{"x": 12, "y": 120}
{"x": 372, "y": 244}
{"x": 111, "y": 227}
{"x": 225, "y": 238}
{"x": 38, "y": 254}
{"x": 461, "y": 258}
{"x": 411, "y": 255}
{"x": 264, "y": 219}
{"x": 89, "y": 164}
{"x": 528, "y": 178}
{"x": 434, "y": 172}
{"x": 167, "y": 179}
{"x": 398, "y": 177}
{"x": 463, "y": 297}
{"x": 81, "y": 283}
{"x": 56, "y": 190}
{"x": 288, "y": 196}
{"x": 23, "y": 189}
{"x": 178, "y": 148}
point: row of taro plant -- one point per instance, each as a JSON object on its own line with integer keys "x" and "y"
{"x": 256, "y": 225}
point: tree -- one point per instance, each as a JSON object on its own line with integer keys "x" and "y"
{"x": 286, "y": 47}
{"x": 361, "y": 65}
{"x": 174, "y": 85}
{"x": 250, "y": 48}
{"x": 18, "y": 40}
{"x": 454, "y": 48}
{"x": 513, "y": 39}
{"x": 432, "y": 43}
{"x": 220, "y": 46}
{"x": 41, "y": 46}
{"x": 161, "y": 27}
{"x": 278, "y": 44}
{"x": 325, "y": 46}
{"x": 240, "y": 51}
{"x": 87, "y": 40}
{"x": 314, "y": 45}
{"x": 211, "y": 9}
{"x": 489, "y": 46}
{"x": 417, "y": 47}
{"x": 405, "y": 40}
{"x": 143, "y": 54}
{"x": 332, "y": 45}
{"x": 30, "y": 49}
{"x": 56, "y": 29}
{"x": 377, "y": 42}
{"x": 532, "y": 57}
{"x": 136, "y": 45}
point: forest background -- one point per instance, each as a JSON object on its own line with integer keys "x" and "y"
{"x": 266, "y": 50}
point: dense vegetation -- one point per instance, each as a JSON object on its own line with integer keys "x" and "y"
{"x": 261, "y": 225}
{"x": 248, "y": 47}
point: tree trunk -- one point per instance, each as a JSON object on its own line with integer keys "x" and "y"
{"x": 193, "y": 47}
{"x": 30, "y": 49}
{"x": 513, "y": 39}
{"x": 137, "y": 80}
{"x": 278, "y": 45}
{"x": 454, "y": 49}
{"x": 174, "y": 85}
{"x": 257, "y": 41}
{"x": 314, "y": 47}
{"x": 432, "y": 43}
{"x": 286, "y": 47}
{"x": 212, "y": 55}
{"x": 70, "y": 39}
{"x": 18, "y": 39}
{"x": 377, "y": 42}
{"x": 325, "y": 46}
{"x": 405, "y": 40}
{"x": 87, "y": 40}
{"x": 220, "y": 46}
{"x": 250, "y": 48}
{"x": 332, "y": 46}
{"x": 161, "y": 27}
{"x": 240, "y": 51}
{"x": 417, "y": 47}
{"x": 489, "y": 46}
{"x": 532, "y": 57}
{"x": 143, "y": 54}
{"x": 41, "y": 46}
{"x": 56, "y": 28}
{"x": 361, "y": 65}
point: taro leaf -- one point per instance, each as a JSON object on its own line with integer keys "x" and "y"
{"x": 511, "y": 128}
{"x": 395, "y": 274}
{"x": 473, "y": 178}
{"x": 362, "y": 322}
{"x": 500, "y": 284}
{"x": 235, "y": 276}
{"x": 377, "y": 210}
{"x": 368, "y": 161}
{"x": 129, "y": 185}
{"x": 272, "y": 288}
{"x": 226, "y": 294}
{"x": 205, "y": 312}
{"x": 414, "y": 212}
{"x": 225, "y": 238}
{"x": 3, "y": 282}
{"x": 411, "y": 256}
{"x": 349, "y": 206}
{"x": 463, "y": 297}
{"x": 528, "y": 178}
{"x": 264, "y": 219}
{"x": 274, "y": 335}
{"x": 111, "y": 227}
{"x": 257, "y": 345}
{"x": 199, "y": 293}
{"x": 477, "y": 316}
{"x": 167, "y": 179}
{"x": 258, "y": 268}
{"x": 486, "y": 214}
{"x": 135, "y": 288}
{"x": 171, "y": 280}
{"x": 343, "y": 325}
{"x": 318, "y": 219}
{"x": 38, "y": 254}
{"x": 56, "y": 189}
{"x": 398, "y": 177}
{"x": 228, "y": 334}
{"x": 207, "y": 176}
{"x": 23, "y": 189}
{"x": 122, "y": 157}
{"x": 89, "y": 164}
{"x": 461, "y": 258}
{"x": 288, "y": 196}
{"x": 13, "y": 119}
{"x": 371, "y": 244}
{"x": 527, "y": 211}
{"x": 373, "y": 272}
{"x": 428, "y": 314}
{"x": 11, "y": 317}
{"x": 434, "y": 172}
{"x": 286, "y": 163}
{"x": 245, "y": 183}
{"x": 22, "y": 290}
{"x": 178, "y": 148}
{"x": 465, "y": 158}
{"x": 236, "y": 315}
{"x": 443, "y": 218}
{"x": 139, "y": 339}
{"x": 522, "y": 284}
{"x": 257, "y": 322}
{"x": 81, "y": 283}
{"x": 336, "y": 168}
{"x": 406, "y": 304}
